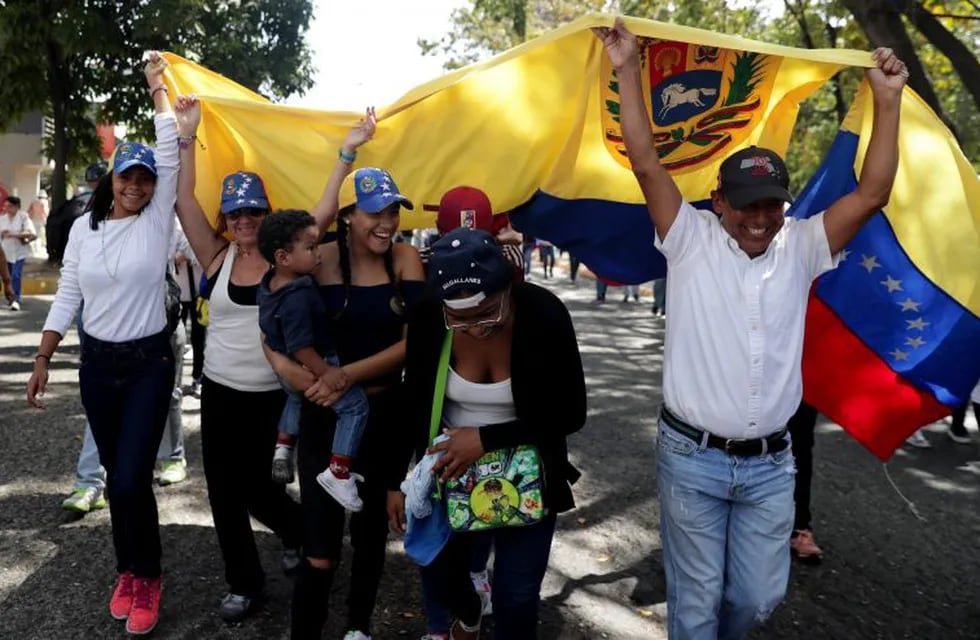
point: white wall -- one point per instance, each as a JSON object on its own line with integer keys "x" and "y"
{"x": 21, "y": 163}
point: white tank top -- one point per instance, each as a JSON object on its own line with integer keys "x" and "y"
{"x": 473, "y": 404}
{"x": 233, "y": 351}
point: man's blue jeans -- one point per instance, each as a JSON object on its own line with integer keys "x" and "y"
{"x": 16, "y": 277}
{"x": 725, "y": 523}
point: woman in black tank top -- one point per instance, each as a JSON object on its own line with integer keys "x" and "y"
{"x": 369, "y": 285}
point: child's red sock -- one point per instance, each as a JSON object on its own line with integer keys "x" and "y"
{"x": 285, "y": 439}
{"x": 340, "y": 466}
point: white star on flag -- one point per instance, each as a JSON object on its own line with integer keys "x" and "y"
{"x": 869, "y": 262}
{"x": 843, "y": 254}
{"x": 240, "y": 192}
{"x": 892, "y": 284}
{"x": 909, "y": 305}
{"x": 918, "y": 323}
{"x": 899, "y": 354}
{"x": 915, "y": 342}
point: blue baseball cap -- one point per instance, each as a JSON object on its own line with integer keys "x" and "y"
{"x": 132, "y": 154}
{"x": 372, "y": 190}
{"x": 243, "y": 190}
{"x": 467, "y": 260}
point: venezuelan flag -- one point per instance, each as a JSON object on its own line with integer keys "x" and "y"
{"x": 892, "y": 335}
{"x": 537, "y": 129}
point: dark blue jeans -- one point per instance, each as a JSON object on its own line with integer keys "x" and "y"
{"x": 520, "y": 562}
{"x": 437, "y": 618}
{"x": 125, "y": 388}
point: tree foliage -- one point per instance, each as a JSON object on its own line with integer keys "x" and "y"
{"x": 79, "y": 61}
{"x": 487, "y": 27}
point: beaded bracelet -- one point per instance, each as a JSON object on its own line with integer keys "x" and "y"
{"x": 345, "y": 157}
{"x": 184, "y": 142}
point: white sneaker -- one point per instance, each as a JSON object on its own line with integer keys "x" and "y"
{"x": 481, "y": 583}
{"x": 343, "y": 491}
{"x": 918, "y": 440}
{"x": 354, "y": 634}
{"x": 15, "y": 306}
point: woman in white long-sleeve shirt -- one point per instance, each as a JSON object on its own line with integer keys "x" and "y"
{"x": 114, "y": 266}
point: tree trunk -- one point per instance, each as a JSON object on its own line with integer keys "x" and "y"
{"x": 58, "y": 83}
{"x": 882, "y": 23}
{"x": 964, "y": 62}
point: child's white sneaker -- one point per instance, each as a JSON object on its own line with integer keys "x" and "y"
{"x": 282, "y": 464}
{"x": 343, "y": 490}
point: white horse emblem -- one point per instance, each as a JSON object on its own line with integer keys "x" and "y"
{"x": 677, "y": 94}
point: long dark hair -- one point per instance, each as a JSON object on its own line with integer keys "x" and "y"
{"x": 100, "y": 204}
{"x": 345, "y": 268}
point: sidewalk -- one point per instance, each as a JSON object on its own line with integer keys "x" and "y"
{"x": 40, "y": 277}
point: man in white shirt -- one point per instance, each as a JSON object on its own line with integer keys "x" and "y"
{"x": 16, "y": 234}
{"x": 737, "y": 291}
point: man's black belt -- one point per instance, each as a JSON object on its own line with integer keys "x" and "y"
{"x": 732, "y": 446}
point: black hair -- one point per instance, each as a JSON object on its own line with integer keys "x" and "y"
{"x": 14, "y": 200}
{"x": 100, "y": 204}
{"x": 345, "y": 267}
{"x": 281, "y": 230}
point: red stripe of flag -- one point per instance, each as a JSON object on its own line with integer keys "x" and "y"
{"x": 850, "y": 384}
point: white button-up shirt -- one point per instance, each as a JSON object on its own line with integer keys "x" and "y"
{"x": 734, "y": 340}
{"x": 14, "y": 248}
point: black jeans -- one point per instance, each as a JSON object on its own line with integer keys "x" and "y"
{"x": 126, "y": 389}
{"x": 238, "y": 438}
{"x": 198, "y": 335}
{"x": 323, "y": 517}
{"x": 801, "y": 427}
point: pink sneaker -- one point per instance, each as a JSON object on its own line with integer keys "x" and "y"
{"x": 122, "y": 596}
{"x": 804, "y": 548}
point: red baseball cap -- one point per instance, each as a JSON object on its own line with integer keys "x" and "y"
{"x": 464, "y": 207}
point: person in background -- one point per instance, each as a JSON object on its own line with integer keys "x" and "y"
{"x": 16, "y": 234}
{"x": 60, "y": 220}
{"x": 189, "y": 274}
{"x": 546, "y": 252}
{"x": 8, "y": 287}
{"x": 38, "y": 212}
{"x": 660, "y": 297}
{"x": 115, "y": 266}
{"x": 958, "y": 432}
{"x": 801, "y": 429}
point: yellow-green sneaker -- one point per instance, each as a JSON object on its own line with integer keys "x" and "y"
{"x": 172, "y": 472}
{"x": 83, "y": 500}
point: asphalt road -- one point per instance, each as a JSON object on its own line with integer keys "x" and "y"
{"x": 887, "y": 574}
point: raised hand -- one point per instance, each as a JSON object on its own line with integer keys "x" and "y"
{"x": 620, "y": 44}
{"x": 890, "y": 75}
{"x": 363, "y": 132}
{"x": 188, "y": 109}
{"x": 153, "y": 70}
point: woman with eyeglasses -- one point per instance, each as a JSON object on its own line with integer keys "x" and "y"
{"x": 506, "y": 339}
{"x": 241, "y": 399}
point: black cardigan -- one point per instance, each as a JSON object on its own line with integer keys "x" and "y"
{"x": 546, "y": 379}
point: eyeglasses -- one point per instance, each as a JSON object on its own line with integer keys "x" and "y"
{"x": 457, "y": 325}
{"x": 252, "y": 213}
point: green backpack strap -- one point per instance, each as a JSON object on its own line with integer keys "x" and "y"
{"x": 439, "y": 394}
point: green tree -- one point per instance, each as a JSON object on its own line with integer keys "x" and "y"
{"x": 79, "y": 62}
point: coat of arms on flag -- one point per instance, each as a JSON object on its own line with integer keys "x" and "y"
{"x": 703, "y": 99}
